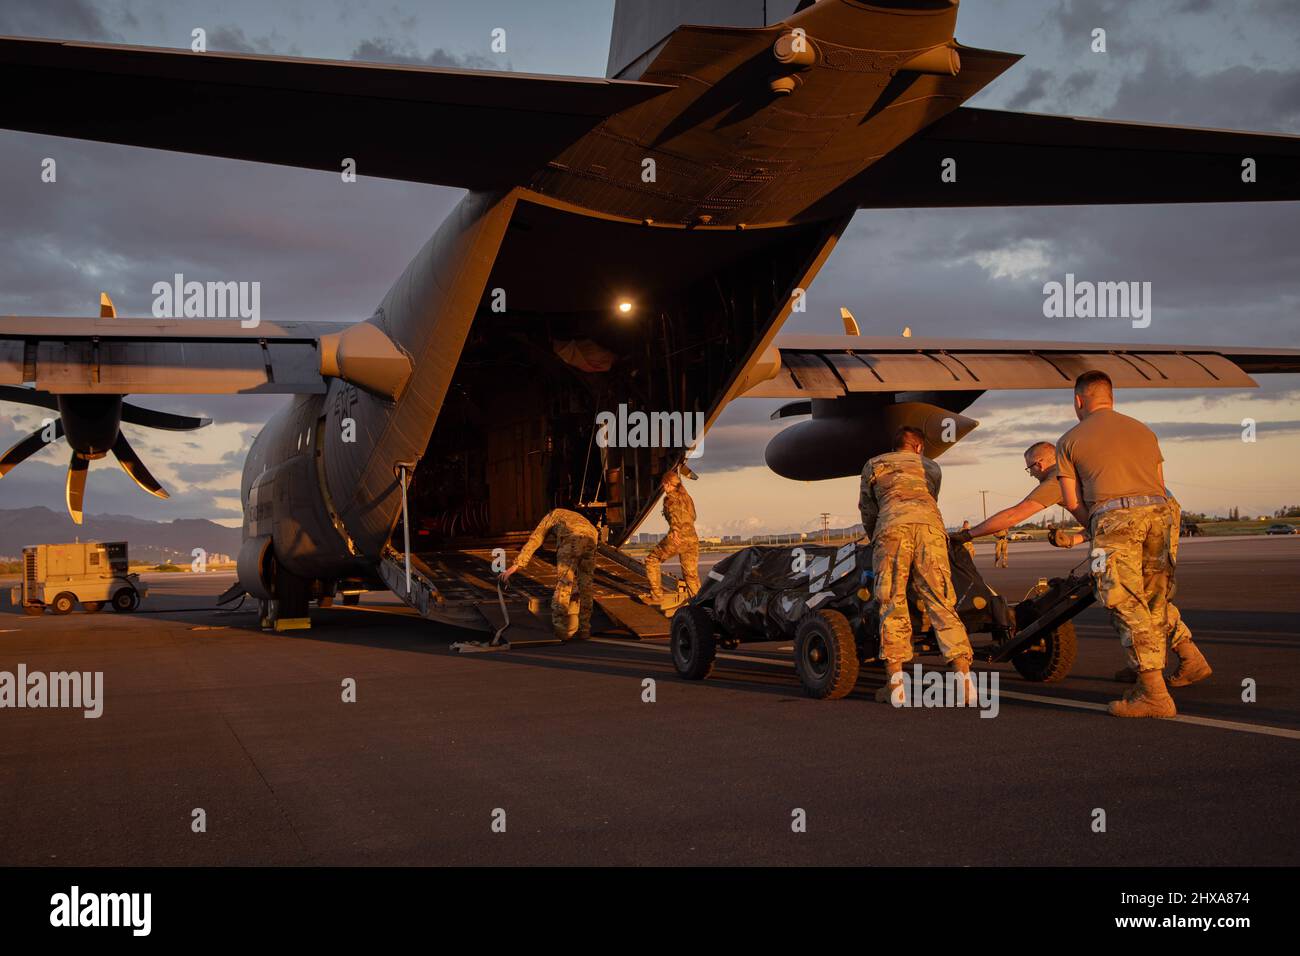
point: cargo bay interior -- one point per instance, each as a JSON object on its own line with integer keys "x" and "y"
{"x": 515, "y": 436}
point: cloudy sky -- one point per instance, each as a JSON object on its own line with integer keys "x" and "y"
{"x": 120, "y": 218}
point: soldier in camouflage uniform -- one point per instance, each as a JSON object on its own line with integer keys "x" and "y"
{"x": 679, "y": 512}
{"x": 1112, "y": 479}
{"x": 1000, "y": 550}
{"x": 900, "y": 512}
{"x": 575, "y": 563}
{"x": 1040, "y": 463}
{"x": 968, "y": 544}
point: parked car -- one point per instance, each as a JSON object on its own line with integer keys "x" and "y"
{"x": 1020, "y": 536}
{"x": 1281, "y": 529}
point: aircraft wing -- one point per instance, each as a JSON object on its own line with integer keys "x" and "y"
{"x": 118, "y": 356}
{"x": 478, "y": 130}
{"x": 1029, "y": 159}
{"x": 831, "y": 366}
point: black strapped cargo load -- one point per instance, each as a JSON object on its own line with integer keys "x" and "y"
{"x": 771, "y": 593}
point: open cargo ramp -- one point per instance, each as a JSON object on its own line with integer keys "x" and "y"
{"x": 457, "y": 586}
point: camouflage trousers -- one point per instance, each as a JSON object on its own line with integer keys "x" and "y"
{"x": 917, "y": 553}
{"x": 1135, "y": 581}
{"x": 685, "y": 546}
{"x": 575, "y": 563}
{"x": 1177, "y": 630}
{"x": 1000, "y": 553}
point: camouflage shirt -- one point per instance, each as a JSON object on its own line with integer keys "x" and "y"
{"x": 679, "y": 512}
{"x": 566, "y": 524}
{"x": 899, "y": 487}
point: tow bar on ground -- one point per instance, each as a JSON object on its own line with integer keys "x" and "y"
{"x": 498, "y": 641}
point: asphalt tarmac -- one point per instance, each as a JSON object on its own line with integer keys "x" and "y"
{"x": 203, "y": 711}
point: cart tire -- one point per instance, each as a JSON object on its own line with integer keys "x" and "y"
{"x": 64, "y": 602}
{"x": 35, "y": 610}
{"x": 126, "y": 599}
{"x": 92, "y": 607}
{"x": 1052, "y": 661}
{"x": 826, "y": 655}
{"x": 351, "y": 600}
{"x": 694, "y": 643}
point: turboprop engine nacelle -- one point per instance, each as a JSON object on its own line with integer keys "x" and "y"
{"x": 845, "y": 433}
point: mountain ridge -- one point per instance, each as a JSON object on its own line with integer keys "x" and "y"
{"x": 152, "y": 541}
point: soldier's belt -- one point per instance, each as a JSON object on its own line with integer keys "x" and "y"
{"x": 1137, "y": 501}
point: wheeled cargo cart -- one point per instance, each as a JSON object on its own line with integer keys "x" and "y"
{"x": 823, "y": 599}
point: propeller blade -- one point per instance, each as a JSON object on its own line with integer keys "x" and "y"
{"x": 76, "y": 490}
{"x": 28, "y": 396}
{"x": 133, "y": 466}
{"x": 28, "y": 447}
{"x": 155, "y": 419}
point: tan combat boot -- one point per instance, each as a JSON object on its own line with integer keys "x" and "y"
{"x": 1149, "y": 698}
{"x": 895, "y": 689}
{"x": 1192, "y": 665}
{"x": 651, "y": 598}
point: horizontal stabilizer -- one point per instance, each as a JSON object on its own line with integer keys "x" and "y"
{"x": 1028, "y": 159}
{"x": 478, "y": 130}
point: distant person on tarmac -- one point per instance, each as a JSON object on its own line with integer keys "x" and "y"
{"x": 681, "y": 540}
{"x": 575, "y": 563}
{"x": 1040, "y": 463}
{"x": 1000, "y": 550}
{"x": 900, "y": 512}
{"x": 1112, "y": 480}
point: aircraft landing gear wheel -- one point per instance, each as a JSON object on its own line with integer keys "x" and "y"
{"x": 694, "y": 643}
{"x": 92, "y": 607}
{"x": 64, "y": 603}
{"x": 826, "y": 655}
{"x": 1051, "y": 659}
{"x": 125, "y": 600}
{"x": 351, "y": 600}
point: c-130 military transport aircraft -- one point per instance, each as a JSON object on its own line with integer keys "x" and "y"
{"x": 441, "y": 421}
